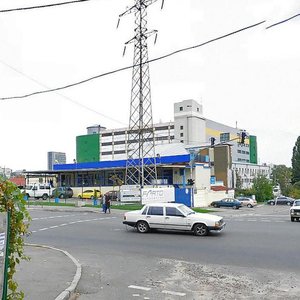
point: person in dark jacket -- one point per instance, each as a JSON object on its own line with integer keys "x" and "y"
{"x": 107, "y": 205}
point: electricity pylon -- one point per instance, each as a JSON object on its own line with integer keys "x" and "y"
{"x": 141, "y": 160}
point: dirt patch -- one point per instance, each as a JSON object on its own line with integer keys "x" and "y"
{"x": 223, "y": 282}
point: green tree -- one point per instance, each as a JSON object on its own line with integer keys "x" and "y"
{"x": 295, "y": 190}
{"x": 296, "y": 161}
{"x": 282, "y": 175}
{"x": 262, "y": 188}
{"x": 11, "y": 200}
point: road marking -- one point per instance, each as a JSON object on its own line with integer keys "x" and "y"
{"x": 139, "y": 287}
{"x": 174, "y": 293}
{"x": 53, "y": 217}
{"x": 74, "y": 222}
{"x": 252, "y": 220}
{"x": 265, "y": 220}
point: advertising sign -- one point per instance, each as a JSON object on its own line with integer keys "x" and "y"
{"x": 130, "y": 193}
{"x": 160, "y": 194}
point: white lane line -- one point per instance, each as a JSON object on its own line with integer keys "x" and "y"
{"x": 265, "y": 220}
{"x": 253, "y": 220}
{"x": 279, "y": 221}
{"x": 174, "y": 293}
{"x": 74, "y": 222}
{"x": 139, "y": 287}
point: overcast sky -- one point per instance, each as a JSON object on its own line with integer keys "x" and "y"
{"x": 251, "y": 78}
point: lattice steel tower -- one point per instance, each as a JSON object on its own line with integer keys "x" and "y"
{"x": 141, "y": 161}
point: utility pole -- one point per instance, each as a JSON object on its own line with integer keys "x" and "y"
{"x": 141, "y": 159}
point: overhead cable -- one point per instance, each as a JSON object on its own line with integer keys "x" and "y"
{"x": 132, "y": 66}
{"x": 283, "y": 21}
{"x": 41, "y": 6}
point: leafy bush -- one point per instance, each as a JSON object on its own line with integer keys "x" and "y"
{"x": 12, "y": 201}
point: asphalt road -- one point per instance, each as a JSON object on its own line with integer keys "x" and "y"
{"x": 119, "y": 263}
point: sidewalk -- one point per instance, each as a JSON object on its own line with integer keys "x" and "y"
{"x": 48, "y": 273}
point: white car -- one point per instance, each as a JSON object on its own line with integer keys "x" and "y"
{"x": 247, "y": 201}
{"x": 172, "y": 216}
{"x": 295, "y": 211}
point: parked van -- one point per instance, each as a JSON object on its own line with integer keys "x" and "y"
{"x": 38, "y": 191}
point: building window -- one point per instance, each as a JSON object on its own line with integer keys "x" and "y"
{"x": 224, "y": 137}
{"x": 181, "y": 134}
{"x": 181, "y": 108}
{"x": 181, "y": 127}
{"x": 181, "y": 141}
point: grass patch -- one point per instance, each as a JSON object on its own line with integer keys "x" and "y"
{"x": 127, "y": 206}
{"x": 33, "y": 203}
{"x": 201, "y": 210}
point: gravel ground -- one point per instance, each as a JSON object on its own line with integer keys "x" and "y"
{"x": 220, "y": 282}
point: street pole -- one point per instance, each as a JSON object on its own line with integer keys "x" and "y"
{"x": 6, "y": 263}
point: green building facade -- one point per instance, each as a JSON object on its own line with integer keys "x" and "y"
{"x": 88, "y": 148}
{"x": 253, "y": 149}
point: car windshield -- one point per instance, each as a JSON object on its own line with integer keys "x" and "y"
{"x": 186, "y": 210}
{"x": 297, "y": 203}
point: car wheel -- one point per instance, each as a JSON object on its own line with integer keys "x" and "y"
{"x": 292, "y": 219}
{"x": 79, "y": 196}
{"x": 44, "y": 197}
{"x": 142, "y": 226}
{"x": 234, "y": 207}
{"x": 249, "y": 205}
{"x": 288, "y": 203}
{"x": 200, "y": 230}
{"x": 215, "y": 205}
{"x": 272, "y": 203}
{"x": 61, "y": 196}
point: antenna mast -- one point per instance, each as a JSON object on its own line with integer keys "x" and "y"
{"x": 141, "y": 160}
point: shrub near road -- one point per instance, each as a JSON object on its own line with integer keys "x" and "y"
{"x": 11, "y": 201}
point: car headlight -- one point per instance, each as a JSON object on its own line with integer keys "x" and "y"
{"x": 217, "y": 224}
{"x": 292, "y": 211}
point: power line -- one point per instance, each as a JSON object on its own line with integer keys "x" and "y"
{"x": 91, "y": 109}
{"x": 63, "y": 96}
{"x": 132, "y": 66}
{"x": 41, "y": 6}
{"x": 283, "y": 21}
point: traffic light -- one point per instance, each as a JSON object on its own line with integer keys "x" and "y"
{"x": 191, "y": 181}
{"x": 243, "y": 136}
{"x": 212, "y": 141}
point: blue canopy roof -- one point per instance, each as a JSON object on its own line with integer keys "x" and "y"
{"x": 175, "y": 159}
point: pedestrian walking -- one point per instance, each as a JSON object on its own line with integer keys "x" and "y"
{"x": 107, "y": 205}
{"x": 104, "y": 203}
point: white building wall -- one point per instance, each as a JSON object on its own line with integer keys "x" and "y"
{"x": 189, "y": 124}
{"x": 203, "y": 198}
{"x": 202, "y": 175}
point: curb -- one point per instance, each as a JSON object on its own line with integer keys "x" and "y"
{"x": 66, "y": 294}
